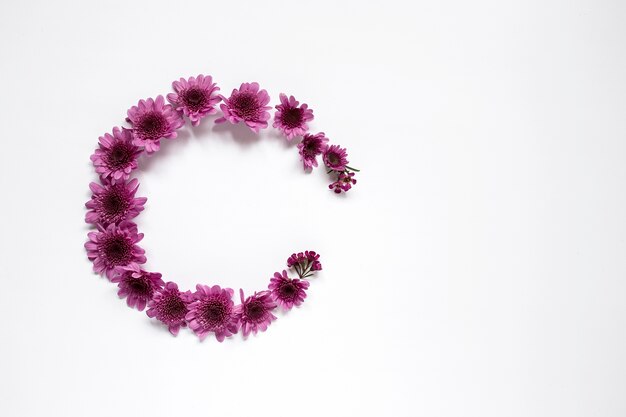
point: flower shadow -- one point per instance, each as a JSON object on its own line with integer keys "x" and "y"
{"x": 165, "y": 150}
{"x": 240, "y": 133}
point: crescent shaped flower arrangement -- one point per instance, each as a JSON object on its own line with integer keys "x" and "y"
{"x": 113, "y": 246}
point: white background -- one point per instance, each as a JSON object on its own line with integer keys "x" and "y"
{"x": 477, "y": 269}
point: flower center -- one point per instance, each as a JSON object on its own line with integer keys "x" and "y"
{"x": 140, "y": 287}
{"x": 172, "y": 309}
{"x": 255, "y": 310}
{"x": 117, "y": 250}
{"x": 119, "y": 156}
{"x": 214, "y": 313}
{"x": 333, "y": 159}
{"x": 245, "y": 105}
{"x": 292, "y": 118}
{"x": 194, "y": 99}
{"x": 288, "y": 290}
{"x": 152, "y": 125}
{"x": 113, "y": 204}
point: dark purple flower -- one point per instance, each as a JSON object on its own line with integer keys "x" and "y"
{"x": 213, "y": 310}
{"x": 255, "y": 312}
{"x": 248, "y": 105}
{"x": 305, "y": 263}
{"x": 290, "y": 118}
{"x": 287, "y": 292}
{"x": 114, "y": 246}
{"x": 137, "y": 285}
{"x": 344, "y": 182}
{"x": 153, "y": 120}
{"x": 116, "y": 155}
{"x": 113, "y": 203}
{"x": 195, "y": 97}
{"x": 335, "y": 158}
{"x": 310, "y": 147}
{"x": 170, "y": 306}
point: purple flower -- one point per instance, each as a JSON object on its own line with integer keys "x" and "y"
{"x": 195, "y": 97}
{"x": 291, "y": 119}
{"x": 153, "y": 120}
{"x": 114, "y": 246}
{"x": 137, "y": 285}
{"x": 305, "y": 263}
{"x": 310, "y": 147}
{"x": 116, "y": 155}
{"x": 213, "y": 311}
{"x": 344, "y": 182}
{"x": 170, "y": 306}
{"x": 335, "y": 158}
{"x": 248, "y": 105}
{"x": 113, "y": 203}
{"x": 287, "y": 292}
{"x": 256, "y": 312}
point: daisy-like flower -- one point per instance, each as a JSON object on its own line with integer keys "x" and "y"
{"x": 344, "y": 182}
{"x": 137, "y": 285}
{"x": 287, "y": 292}
{"x": 170, "y": 306}
{"x": 114, "y": 246}
{"x": 290, "y": 118}
{"x": 213, "y": 311}
{"x": 195, "y": 97}
{"x": 248, "y": 105}
{"x": 305, "y": 263}
{"x": 256, "y": 312}
{"x": 336, "y": 158}
{"x": 116, "y": 155}
{"x": 310, "y": 147}
{"x": 113, "y": 203}
{"x": 153, "y": 120}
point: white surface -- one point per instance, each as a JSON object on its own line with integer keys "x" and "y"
{"x": 477, "y": 269}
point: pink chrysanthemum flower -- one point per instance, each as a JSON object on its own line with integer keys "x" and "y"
{"x": 290, "y": 118}
{"x": 114, "y": 246}
{"x": 256, "y": 312}
{"x": 248, "y": 105}
{"x": 116, "y": 155}
{"x": 213, "y": 311}
{"x": 136, "y": 285}
{"x": 195, "y": 97}
{"x": 336, "y": 158}
{"x": 305, "y": 263}
{"x": 113, "y": 203}
{"x": 344, "y": 182}
{"x": 153, "y": 120}
{"x": 310, "y": 147}
{"x": 287, "y": 292}
{"x": 170, "y": 306}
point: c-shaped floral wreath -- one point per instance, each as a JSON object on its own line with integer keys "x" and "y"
{"x": 113, "y": 247}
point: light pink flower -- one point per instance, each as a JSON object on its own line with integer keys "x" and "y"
{"x": 248, "y": 105}
{"x": 310, "y": 147}
{"x": 116, "y": 155}
{"x": 136, "y": 285}
{"x": 336, "y": 158}
{"x": 213, "y": 311}
{"x": 344, "y": 182}
{"x": 153, "y": 120}
{"x": 113, "y": 203}
{"x": 114, "y": 246}
{"x": 170, "y": 306}
{"x": 290, "y": 118}
{"x": 287, "y": 292}
{"x": 256, "y": 312}
{"x": 195, "y": 97}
